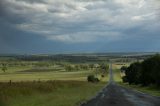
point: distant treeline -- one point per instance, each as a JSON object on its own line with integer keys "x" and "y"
{"x": 144, "y": 73}
{"x": 57, "y": 58}
{"x": 101, "y": 57}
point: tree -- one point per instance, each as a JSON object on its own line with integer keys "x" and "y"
{"x": 145, "y": 73}
{"x": 91, "y": 66}
{"x": 133, "y": 73}
{"x": 69, "y": 68}
{"x": 4, "y": 67}
{"x": 123, "y": 68}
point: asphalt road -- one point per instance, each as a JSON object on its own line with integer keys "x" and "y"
{"x": 115, "y": 95}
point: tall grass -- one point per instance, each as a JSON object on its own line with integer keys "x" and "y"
{"x": 48, "y": 93}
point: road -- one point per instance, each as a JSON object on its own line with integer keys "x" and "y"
{"x": 116, "y": 95}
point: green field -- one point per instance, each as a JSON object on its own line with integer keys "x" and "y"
{"x": 28, "y": 74}
{"x": 46, "y": 83}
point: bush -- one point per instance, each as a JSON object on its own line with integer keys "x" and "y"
{"x": 102, "y": 76}
{"x": 124, "y": 78}
{"x": 92, "y": 78}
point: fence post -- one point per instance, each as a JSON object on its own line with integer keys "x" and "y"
{"x": 10, "y": 82}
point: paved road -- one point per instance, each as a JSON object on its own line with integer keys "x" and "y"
{"x": 115, "y": 95}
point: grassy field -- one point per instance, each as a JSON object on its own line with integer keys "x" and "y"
{"x": 152, "y": 90}
{"x": 50, "y": 75}
{"x": 47, "y": 86}
{"x": 15, "y": 69}
{"x": 31, "y": 76}
{"x": 51, "y": 93}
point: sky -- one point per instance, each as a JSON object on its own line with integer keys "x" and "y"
{"x": 79, "y": 26}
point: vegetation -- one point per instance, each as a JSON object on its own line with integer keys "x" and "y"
{"x": 118, "y": 75}
{"x": 144, "y": 73}
{"x": 49, "y": 80}
{"x": 48, "y": 93}
{"x": 92, "y": 78}
{"x": 152, "y": 89}
{"x": 4, "y": 67}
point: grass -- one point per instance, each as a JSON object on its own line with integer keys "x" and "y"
{"x": 30, "y": 76}
{"x": 47, "y": 86}
{"x": 15, "y": 69}
{"x": 152, "y": 90}
{"x": 51, "y": 93}
{"x": 28, "y": 73}
{"x": 116, "y": 72}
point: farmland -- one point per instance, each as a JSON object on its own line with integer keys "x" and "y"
{"x": 40, "y": 80}
{"x": 44, "y": 82}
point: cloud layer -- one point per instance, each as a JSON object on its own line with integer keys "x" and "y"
{"x": 80, "y": 21}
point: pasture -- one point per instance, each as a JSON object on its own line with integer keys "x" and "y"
{"x": 48, "y": 93}
{"x": 48, "y": 83}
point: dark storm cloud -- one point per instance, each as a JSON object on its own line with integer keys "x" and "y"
{"x": 81, "y": 21}
{"x": 33, "y": 1}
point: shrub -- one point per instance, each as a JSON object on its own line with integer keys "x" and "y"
{"x": 102, "y": 75}
{"x": 124, "y": 79}
{"x": 92, "y": 78}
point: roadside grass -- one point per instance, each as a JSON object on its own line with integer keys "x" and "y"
{"x": 48, "y": 93}
{"x": 116, "y": 73}
{"x": 152, "y": 90}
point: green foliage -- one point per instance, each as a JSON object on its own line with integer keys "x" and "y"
{"x": 103, "y": 68}
{"x": 123, "y": 68}
{"x": 145, "y": 73}
{"x": 124, "y": 78}
{"x": 4, "y": 67}
{"x": 77, "y": 67}
{"x": 92, "y": 78}
{"x": 68, "y": 68}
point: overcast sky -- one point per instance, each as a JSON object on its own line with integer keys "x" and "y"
{"x": 67, "y": 26}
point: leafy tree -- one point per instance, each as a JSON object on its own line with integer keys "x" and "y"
{"x": 4, "y": 67}
{"x": 145, "y": 73}
{"x": 133, "y": 73}
{"x": 123, "y": 68}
